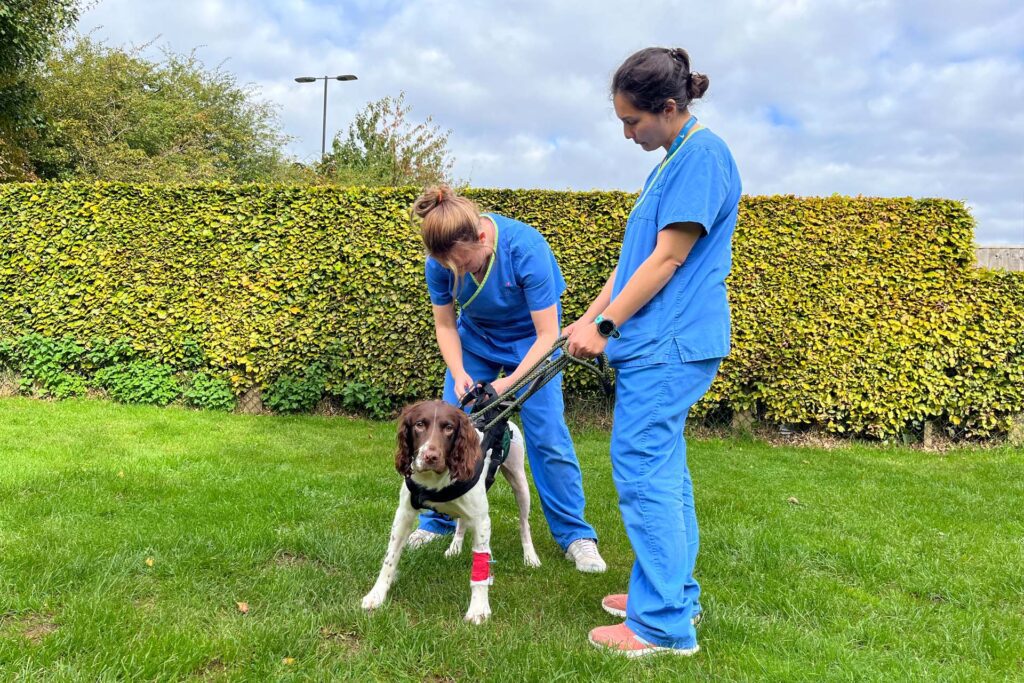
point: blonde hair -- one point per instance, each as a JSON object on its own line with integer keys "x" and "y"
{"x": 448, "y": 223}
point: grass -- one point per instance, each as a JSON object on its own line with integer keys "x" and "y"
{"x": 128, "y": 536}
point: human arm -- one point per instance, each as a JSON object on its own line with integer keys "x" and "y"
{"x": 673, "y": 245}
{"x": 546, "y": 324}
{"x": 596, "y": 306}
{"x": 451, "y": 346}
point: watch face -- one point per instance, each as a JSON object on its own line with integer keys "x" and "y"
{"x": 605, "y": 327}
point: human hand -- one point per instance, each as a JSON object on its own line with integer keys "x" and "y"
{"x": 501, "y": 385}
{"x": 571, "y": 327}
{"x": 463, "y": 383}
{"x": 585, "y": 341}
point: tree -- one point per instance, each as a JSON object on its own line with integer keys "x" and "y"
{"x": 28, "y": 30}
{"x": 384, "y": 147}
{"x": 113, "y": 115}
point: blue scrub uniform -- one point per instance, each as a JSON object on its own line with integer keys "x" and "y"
{"x": 497, "y": 331}
{"x": 666, "y": 359}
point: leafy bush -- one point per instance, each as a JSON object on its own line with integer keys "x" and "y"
{"x": 192, "y": 355}
{"x": 293, "y": 393}
{"x": 65, "y": 385}
{"x": 364, "y": 398}
{"x": 210, "y": 393}
{"x": 141, "y": 381}
{"x": 48, "y": 367}
{"x": 102, "y": 352}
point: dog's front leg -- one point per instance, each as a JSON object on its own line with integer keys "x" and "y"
{"x": 480, "y": 580}
{"x": 456, "y": 545}
{"x": 405, "y": 521}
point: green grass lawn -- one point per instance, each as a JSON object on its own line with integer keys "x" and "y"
{"x": 894, "y": 564}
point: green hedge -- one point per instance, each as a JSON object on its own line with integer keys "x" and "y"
{"x": 868, "y": 316}
{"x": 863, "y": 315}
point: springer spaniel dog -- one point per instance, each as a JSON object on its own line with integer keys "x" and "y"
{"x": 439, "y": 451}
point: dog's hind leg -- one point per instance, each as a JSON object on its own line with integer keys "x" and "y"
{"x": 456, "y": 545}
{"x": 515, "y": 472}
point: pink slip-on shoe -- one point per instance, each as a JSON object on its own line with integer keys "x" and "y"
{"x": 615, "y": 605}
{"x": 620, "y": 640}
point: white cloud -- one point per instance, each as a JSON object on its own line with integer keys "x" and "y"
{"x": 880, "y": 97}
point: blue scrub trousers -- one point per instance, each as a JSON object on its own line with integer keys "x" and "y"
{"x": 549, "y": 449}
{"x": 648, "y": 455}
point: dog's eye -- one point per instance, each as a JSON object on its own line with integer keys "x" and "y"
{"x": 420, "y": 424}
{"x": 448, "y": 429}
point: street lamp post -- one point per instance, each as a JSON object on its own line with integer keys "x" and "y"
{"x": 313, "y": 79}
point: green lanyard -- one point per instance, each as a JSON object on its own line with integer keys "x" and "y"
{"x": 490, "y": 265}
{"x": 669, "y": 158}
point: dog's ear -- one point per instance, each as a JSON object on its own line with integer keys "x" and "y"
{"x": 403, "y": 455}
{"x": 465, "y": 448}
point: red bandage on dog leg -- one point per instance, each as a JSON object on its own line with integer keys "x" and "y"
{"x": 481, "y": 567}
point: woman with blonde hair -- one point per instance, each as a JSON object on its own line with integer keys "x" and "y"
{"x": 508, "y": 287}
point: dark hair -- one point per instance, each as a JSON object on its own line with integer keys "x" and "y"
{"x": 654, "y": 75}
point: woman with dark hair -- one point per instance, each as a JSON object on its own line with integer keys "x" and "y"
{"x": 508, "y": 287}
{"x": 663, "y": 319}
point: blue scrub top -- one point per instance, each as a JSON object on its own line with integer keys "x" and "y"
{"x": 523, "y": 277}
{"x": 688, "y": 320}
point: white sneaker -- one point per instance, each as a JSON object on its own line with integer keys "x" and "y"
{"x": 420, "y": 538}
{"x": 583, "y": 551}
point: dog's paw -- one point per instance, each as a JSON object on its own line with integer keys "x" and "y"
{"x": 373, "y": 600}
{"x": 454, "y": 549}
{"x": 530, "y": 557}
{"x": 478, "y": 615}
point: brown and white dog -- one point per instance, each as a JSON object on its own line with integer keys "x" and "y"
{"x": 438, "y": 446}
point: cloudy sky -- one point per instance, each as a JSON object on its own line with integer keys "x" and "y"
{"x": 815, "y": 97}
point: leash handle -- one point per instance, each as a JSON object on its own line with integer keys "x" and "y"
{"x": 480, "y": 395}
{"x": 540, "y": 374}
{"x": 487, "y": 406}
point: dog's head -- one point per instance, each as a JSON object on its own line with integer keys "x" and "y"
{"x": 435, "y": 436}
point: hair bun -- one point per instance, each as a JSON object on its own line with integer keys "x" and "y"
{"x": 430, "y": 199}
{"x": 697, "y": 85}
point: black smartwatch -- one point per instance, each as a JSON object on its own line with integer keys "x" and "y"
{"x": 606, "y": 328}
